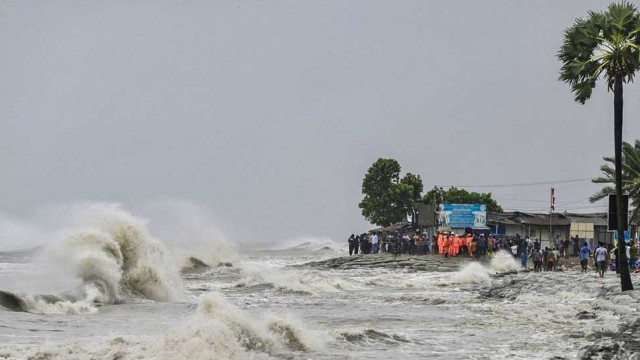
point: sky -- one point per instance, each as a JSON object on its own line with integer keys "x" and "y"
{"x": 268, "y": 114}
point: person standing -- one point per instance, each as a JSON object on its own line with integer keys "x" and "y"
{"x": 545, "y": 256}
{"x": 523, "y": 259}
{"x": 363, "y": 244}
{"x": 374, "y": 243}
{"x": 356, "y": 245}
{"x": 491, "y": 243}
{"x": 537, "y": 260}
{"x": 601, "y": 259}
{"x": 552, "y": 257}
{"x": 473, "y": 248}
{"x": 351, "y": 241}
{"x": 633, "y": 255}
{"x": 585, "y": 252}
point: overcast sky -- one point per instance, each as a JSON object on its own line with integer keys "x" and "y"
{"x": 268, "y": 113}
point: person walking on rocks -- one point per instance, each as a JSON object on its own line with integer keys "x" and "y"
{"x": 601, "y": 259}
{"x": 585, "y": 252}
{"x": 356, "y": 245}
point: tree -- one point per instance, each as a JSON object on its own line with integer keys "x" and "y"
{"x": 387, "y": 198}
{"x": 412, "y": 184}
{"x": 630, "y": 177}
{"x": 605, "y": 44}
{"x": 453, "y": 195}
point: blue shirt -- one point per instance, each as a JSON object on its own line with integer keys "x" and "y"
{"x": 584, "y": 253}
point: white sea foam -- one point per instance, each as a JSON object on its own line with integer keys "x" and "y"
{"x": 472, "y": 273}
{"x": 112, "y": 252}
{"x": 477, "y": 273}
{"x": 301, "y": 280}
{"x": 220, "y": 330}
{"x": 503, "y": 261}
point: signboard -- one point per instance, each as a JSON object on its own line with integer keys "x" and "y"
{"x": 627, "y": 236}
{"x": 613, "y": 225}
{"x": 463, "y": 215}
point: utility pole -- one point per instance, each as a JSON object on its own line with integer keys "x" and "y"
{"x": 552, "y": 208}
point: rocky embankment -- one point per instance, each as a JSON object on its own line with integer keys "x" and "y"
{"x": 604, "y": 298}
{"x": 390, "y": 261}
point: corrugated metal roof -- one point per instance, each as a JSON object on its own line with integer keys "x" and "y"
{"x": 520, "y": 218}
{"x": 597, "y": 219}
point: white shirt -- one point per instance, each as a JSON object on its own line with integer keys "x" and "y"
{"x": 374, "y": 239}
{"x": 601, "y": 254}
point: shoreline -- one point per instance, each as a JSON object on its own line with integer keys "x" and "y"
{"x": 623, "y": 343}
{"x": 426, "y": 262}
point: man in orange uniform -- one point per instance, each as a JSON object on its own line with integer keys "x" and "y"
{"x": 455, "y": 246}
{"x": 448, "y": 246}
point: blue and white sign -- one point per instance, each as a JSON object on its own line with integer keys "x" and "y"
{"x": 463, "y": 215}
{"x": 627, "y": 236}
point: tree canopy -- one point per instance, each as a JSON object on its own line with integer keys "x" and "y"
{"x": 605, "y": 43}
{"x": 630, "y": 177}
{"x": 387, "y": 198}
{"x": 453, "y": 195}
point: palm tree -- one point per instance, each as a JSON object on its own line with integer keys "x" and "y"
{"x": 608, "y": 44}
{"x": 630, "y": 177}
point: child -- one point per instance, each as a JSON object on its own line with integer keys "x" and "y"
{"x": 523, "y": 259}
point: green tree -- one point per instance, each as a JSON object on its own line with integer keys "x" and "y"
{"x": 387, "y": 198}
{"x": 607, "y": 44}
{"x": 413, "y": 184}
{"x": 453, "y": 195}
{"x": 630, "y": 177}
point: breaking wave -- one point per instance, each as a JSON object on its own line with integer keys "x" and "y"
{"x": 502, "y": 262}
{"x": 115, "y": 257}
{"x": 222, "y": 331}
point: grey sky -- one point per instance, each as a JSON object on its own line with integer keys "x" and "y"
{"x": 270, "y": 112}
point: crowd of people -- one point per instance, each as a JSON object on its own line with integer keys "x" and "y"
{"x": 445, "y": 243}
{"x": 526, "y": 250}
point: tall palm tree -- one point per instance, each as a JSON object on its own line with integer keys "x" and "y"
{"x": 630, "y": 177}
{"x": 605, "y": 44}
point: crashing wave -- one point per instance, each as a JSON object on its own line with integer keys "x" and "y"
{"x": 502, "y": 262}
{"x": 221, "y": 330}
{"x": 116, "y": 258}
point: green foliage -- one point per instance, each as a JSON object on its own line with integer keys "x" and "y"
{"x": 605, "y": 43}
{"x": 630, "y": 177}
{"x": 453, "y": 195}
{"x": 387, "y": 198}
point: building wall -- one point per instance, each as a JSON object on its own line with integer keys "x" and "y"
{"x": 538, "y": 232}
{"x": 582, "y": 229}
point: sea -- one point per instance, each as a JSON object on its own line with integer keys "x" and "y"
{"x": 110, "y": 289}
